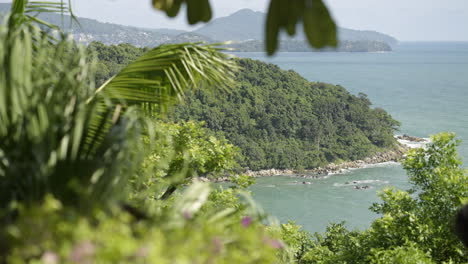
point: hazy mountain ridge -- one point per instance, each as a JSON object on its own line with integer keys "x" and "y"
{"x": 89, "y": 30}
{"x": 365, "y": 35}
{"x": 247, "y": 24}
{"x": 244, "y": 27}
{"x": 191, "y": 37}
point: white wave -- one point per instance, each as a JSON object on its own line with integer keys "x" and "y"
{"x": 356, "y": 183}
{"x": 413, "y": 144}
{"x": 370, "y": 181}
{"x": 342, "y": 171}
{"x": 382, "y": 164}
{"x": 364, "y": 166}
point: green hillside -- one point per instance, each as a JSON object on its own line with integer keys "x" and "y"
{"x": 280, "y": 120}
{"x": 277, "y": 118}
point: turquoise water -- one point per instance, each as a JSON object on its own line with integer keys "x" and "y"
{"x": 423, "y": 85}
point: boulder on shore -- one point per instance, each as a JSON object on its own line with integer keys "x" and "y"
{"x": 411, "y": 138}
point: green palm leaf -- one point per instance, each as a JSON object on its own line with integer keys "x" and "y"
{"x": 24, "y": 11}
{"x": 164, "y": 74}
{"x": 156, "y": 81}
{"x": 60, "y": 135}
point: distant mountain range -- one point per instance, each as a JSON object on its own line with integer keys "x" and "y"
{"x": 242, "y": 25}
{"x": 244, "y": 28}
{"x": 247, "y": 24}
{"x": 89, "y": 30}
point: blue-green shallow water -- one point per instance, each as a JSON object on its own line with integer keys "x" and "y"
{"x": 423, "y": 85}
{"x": 332, "y": 199}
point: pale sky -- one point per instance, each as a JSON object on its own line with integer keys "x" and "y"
{"x": 407, "y": 20}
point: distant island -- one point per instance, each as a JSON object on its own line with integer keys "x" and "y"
{"x": 294, "y": 45}
{"x": 243, "y": 28}
{"x": 246, "y": 28}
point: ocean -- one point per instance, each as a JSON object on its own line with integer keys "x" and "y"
{"x": 424, "y": 85}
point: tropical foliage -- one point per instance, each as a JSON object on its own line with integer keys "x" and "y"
{"x": 178, "y": 154}
{"x": 416, "y": 226}
{"x": 91, "y": 174}
{"x": 71, "y": 154}
{"x": 66, "y": 137}
{"x": 184, "y": 232}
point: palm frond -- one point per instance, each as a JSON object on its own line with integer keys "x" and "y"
{"x": 46, "y": 7}
{"x": 58, "y": 134}
{"x": 157, "y": 80}
{"x": 24, "y": 11}
{"x": 45, "y": 124}
{"x": 163, "y": 75}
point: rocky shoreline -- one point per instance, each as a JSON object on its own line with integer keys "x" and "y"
{"x": 332, "y": 168}
{"x": 381, "y": 157}
{"x": 410, "y": 139}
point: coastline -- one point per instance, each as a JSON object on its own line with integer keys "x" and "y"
{"x": 405, "y": 143}
{"x": 332, "y": 168}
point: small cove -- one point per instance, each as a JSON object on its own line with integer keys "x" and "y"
{"x": 423, "y": 85}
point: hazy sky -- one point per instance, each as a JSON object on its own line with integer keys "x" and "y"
{"x": 404, "y": 19}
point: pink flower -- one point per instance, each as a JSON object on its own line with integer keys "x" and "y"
{"x": 83, "y": 252}
{"x": 217, "y": 245}
{"x": 187, "y": 215}
{"x": 274, "y": 243}
{"x": 142, "y": 252}
{"x": 246, "y": 221}
{"x": 50, "y": 257}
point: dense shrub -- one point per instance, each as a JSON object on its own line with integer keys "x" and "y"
{"x": 416, "y": 226}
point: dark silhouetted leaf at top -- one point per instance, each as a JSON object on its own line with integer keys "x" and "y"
{"x": 197, "y": 10}
{"x": 273, "y": 25}
{"x": 319, "y": 26}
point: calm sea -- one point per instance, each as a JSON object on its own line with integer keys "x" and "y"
{"x": 423, "y": 85}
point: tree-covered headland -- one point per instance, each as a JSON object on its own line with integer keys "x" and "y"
{"x": 280, "y": 120}
{"x": 277, "y": 118}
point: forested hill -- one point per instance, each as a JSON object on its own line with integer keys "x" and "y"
{"x": 277, "y": 118}
{"x": 280, "y": 120}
